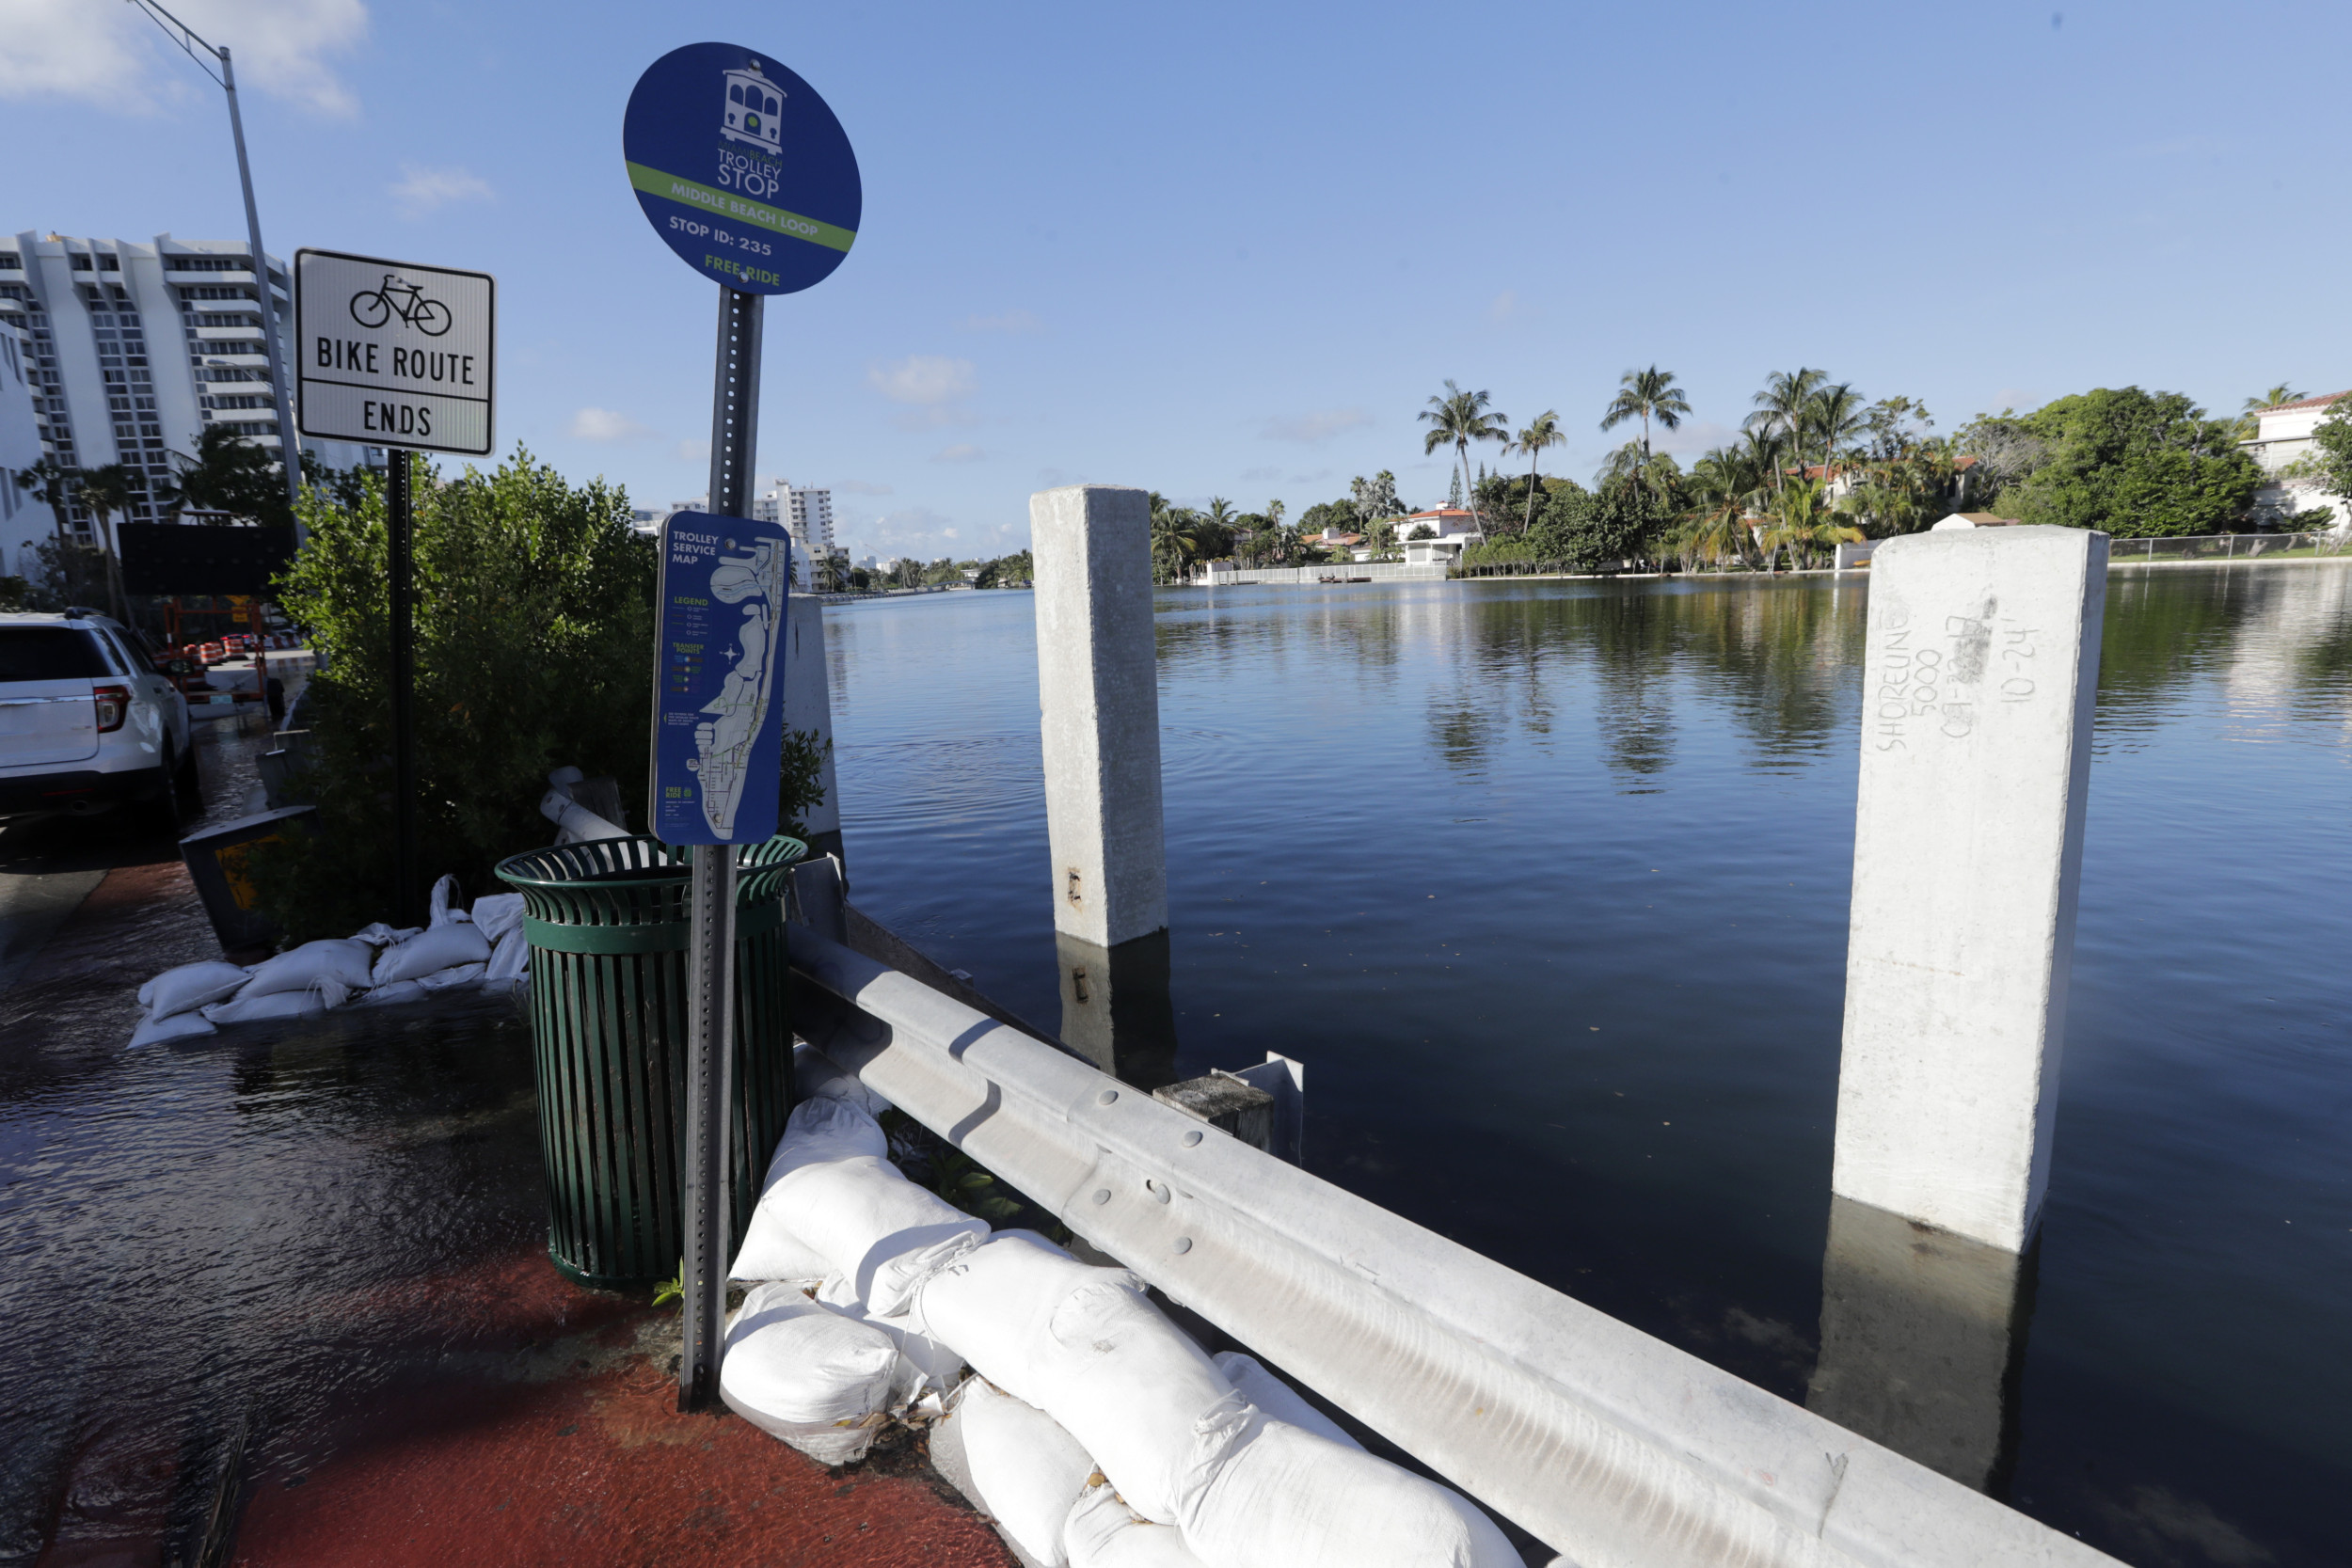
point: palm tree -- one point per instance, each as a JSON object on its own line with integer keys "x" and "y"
{"x": 1724, "y": 485}
{"x": 1834, "y": 416}
{"x": 1780, "y": 408}
{"x": 1649, "y": 394}
{"x": 1458, "y": 419}
{"x": 2248, "y": 425}
{"x": 1541, "y": 432}
{"x": 1804, "y": 524}
{"x": 106, "y": 491}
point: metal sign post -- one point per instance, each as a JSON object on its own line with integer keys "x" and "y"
{"x": 744, "y": 172}
{"x": 402, "y": 357}
{"x": 408, "y": 889}
{"x": 711, "y": 945}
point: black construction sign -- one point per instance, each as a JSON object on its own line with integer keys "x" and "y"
{"x": 391, "y": 353}
{"x": 200, "y": 558}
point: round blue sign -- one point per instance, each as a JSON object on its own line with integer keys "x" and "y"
{"x": 742, "y": 169}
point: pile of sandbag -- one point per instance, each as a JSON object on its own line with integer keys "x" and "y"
{"x": 1096, "y": 1433}
{"x": 378, "y": 965}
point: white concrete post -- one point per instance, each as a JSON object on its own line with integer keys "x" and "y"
{"x": 809, "y": 705}
{"x": 1098, "y": 688}
{"x": 1982, "y": 668}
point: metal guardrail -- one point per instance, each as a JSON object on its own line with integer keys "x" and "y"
{"x": 1614, "y": 1448}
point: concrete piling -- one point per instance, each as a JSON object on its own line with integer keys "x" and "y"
{"x": 1981, "y": 670}
{"x": 809, "y": 705}
{"x": 1098, "y": 690}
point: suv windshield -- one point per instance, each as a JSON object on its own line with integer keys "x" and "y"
{"x": 49, "y": 654}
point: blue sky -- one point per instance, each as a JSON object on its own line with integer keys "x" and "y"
{"x": 1231, "y": 249}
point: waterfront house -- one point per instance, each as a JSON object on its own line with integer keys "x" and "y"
{"x": 1445, "y": 532}
{"x": 2283, "y": 445}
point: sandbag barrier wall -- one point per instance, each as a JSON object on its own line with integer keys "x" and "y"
{"x": 1614, "y": 1448}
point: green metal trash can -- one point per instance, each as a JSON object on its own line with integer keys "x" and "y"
{"x": 607, "y": 923}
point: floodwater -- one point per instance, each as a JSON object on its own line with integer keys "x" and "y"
{"x": 1546, "y": 884}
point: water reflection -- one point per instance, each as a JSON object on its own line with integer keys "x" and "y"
{"x": 1923, "y": 1337}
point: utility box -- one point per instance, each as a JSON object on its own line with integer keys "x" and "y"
{"x": 217, "y": 865}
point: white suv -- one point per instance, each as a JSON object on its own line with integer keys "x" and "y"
{"x": 86, "y": 721}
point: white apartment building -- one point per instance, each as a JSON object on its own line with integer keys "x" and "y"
{"x": 23, "y": 521}
{"x": 806, "y": 515}
{"x": 135, "y": 348}
{"x": 2283, "y": 445}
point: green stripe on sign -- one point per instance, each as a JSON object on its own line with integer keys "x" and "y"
{"x": 727, "y": 204}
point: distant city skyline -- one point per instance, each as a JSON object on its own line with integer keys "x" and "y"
{"x": 1231, "y": 253}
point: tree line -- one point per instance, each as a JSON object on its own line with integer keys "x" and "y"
{"x": 1817, "y": 463}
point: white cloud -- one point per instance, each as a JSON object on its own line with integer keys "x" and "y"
{"x": 1508, "y": 306}
{"x": 77, "y": 49}
{"x": 859, "y": 487}
{"x": 924, "y": 379}
{"x": 933, "y": 385}
{"x": 963, "y": 451}
{"x": 1311, "y": 428}
{"x": 691, "y": 452}
{"x": 423, "y": 189}
{"x": 1694, "y": 435}
{"x": 1004, "y": 321}
{"x": 603, "y": 425}
{"x": 927, "y": 536}
{"x": 1260, "y": 475}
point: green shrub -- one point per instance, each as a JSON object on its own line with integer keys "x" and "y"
{"x": 534, "y": 649}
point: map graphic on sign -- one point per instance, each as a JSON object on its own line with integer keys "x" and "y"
{"x": 717, "y": 736}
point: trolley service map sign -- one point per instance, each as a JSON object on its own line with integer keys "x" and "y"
{"x": 718, "y": 728}
{"x": 741, "y": 168}
{"x": 391, "y": 353}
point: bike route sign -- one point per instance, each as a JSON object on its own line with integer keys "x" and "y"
{"x": 741, "y": 168}
{"x": 390, "y": 354}
{"x": 717, "y": 725}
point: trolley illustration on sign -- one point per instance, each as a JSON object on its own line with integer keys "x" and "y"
{"x": 753, "y": 104}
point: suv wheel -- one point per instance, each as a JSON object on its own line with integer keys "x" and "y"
{"x": 189, "y": 784}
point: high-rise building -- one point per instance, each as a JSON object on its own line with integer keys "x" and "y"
{"x": 806, "y": 515}
{"x": 135, "y": 348}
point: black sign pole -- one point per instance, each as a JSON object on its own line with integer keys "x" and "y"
{"x": 710, "y": 943}
{"x": 403, "y": 674}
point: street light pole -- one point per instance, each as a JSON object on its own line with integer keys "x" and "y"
{"x": 289, "y": 445}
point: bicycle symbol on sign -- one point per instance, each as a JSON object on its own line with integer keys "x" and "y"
{"x": 375, "y": 307}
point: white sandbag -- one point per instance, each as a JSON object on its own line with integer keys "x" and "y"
{"x": 277, "y": 1003}
{"x": 925, "y": 1364}
{"x": 1026, "y": 1470}
{"x": 438, "y": 910}
{"x": 1278, "y": 1399}
{"x": 1104, "y": 1532}
{"x": 510, "y": 960}
{"x": 815, "y": 1076}
{"x": 1087, "y": 1347}
{"x": 177, "y": 1025}
{"x": 817, "y": 1129}
{"x": 338, "y": 958}
{"x": 459, "y": 975}
{"x": 812, "y": 1377}
{"x": 497, "y": 914}
{"x": 190, "y": 987}
{"x": 398, "y": 991}
{"x": 1261, "y": 1493}
{"x": 859, "y": 1212}
{"x": 381, "y": 935}
{"x": 434, "y": 948}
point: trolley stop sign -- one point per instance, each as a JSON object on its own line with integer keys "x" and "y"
{"x": 390, "y": 354}
{"x": 741, "y": 168}
{"x": 718, "y": 725}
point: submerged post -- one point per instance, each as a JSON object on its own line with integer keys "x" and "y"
{"x": 1982, "y": 670}
{"x": 1098, "y": 688}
